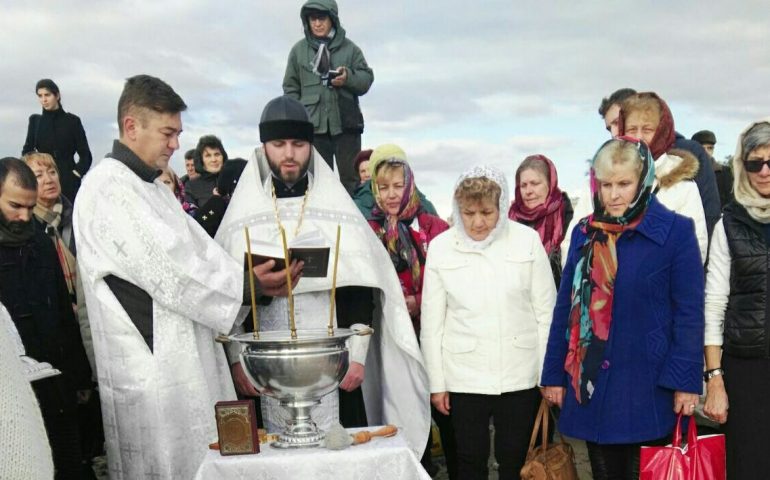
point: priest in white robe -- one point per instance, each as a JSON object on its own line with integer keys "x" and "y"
{"x": 158, "y": 290}
{"x": 283, "y": 186}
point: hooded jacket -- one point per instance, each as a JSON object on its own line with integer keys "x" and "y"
{"x": 676, "y": 190}
{"x": 332, "y": 110}
{"x": 199, "y": 190}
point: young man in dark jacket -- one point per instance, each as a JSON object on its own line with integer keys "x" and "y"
{"x": 327, "y": 73}
{"x": 33, "y": 289}
{"x": 61, "y": 135}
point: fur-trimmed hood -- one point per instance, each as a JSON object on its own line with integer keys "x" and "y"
{"x": 675, "y": 166}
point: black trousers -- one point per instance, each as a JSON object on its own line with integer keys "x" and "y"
{"x": 514, "y": 416}
{"x": 343, "y": 148}
{"x": 618, "y": 461}
{"x": 747, "y": 431}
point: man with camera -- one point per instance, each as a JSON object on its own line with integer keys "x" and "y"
{"x": 327, "y": 73}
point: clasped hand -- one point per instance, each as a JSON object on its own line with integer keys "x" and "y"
{"x": 274, "y": 284}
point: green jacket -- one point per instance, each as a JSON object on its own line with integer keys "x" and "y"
{"x": 332, "y": 110}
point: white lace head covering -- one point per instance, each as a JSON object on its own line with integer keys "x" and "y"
{"x": 497, "y": 176}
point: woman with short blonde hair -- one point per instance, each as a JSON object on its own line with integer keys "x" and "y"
{"x": 486, "y": 311}
{"x": 623, "y": 354}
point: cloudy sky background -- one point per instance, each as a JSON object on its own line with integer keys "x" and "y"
{"x": 456, "y": 83}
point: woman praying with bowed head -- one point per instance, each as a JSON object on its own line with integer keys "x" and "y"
{"x": 624, "y": 352}
{"x": 737, "y": 326}
{"x": 487, "y": 302}
{"x": 538, "y": 203}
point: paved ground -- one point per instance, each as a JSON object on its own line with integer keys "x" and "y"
{"x": 581, "y": 460}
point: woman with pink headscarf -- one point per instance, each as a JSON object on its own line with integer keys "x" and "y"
{"x": 538, "y": 203}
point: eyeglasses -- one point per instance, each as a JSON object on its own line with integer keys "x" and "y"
{"x": 755, "y": 166}
{"x": 317, "y": 17}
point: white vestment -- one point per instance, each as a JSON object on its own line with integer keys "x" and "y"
{"x": 396, "y": 384}
{"x": 158, "y": 406}
{"x": 26, "y": 452}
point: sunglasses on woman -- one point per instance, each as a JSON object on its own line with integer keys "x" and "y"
{"x": 755, "y": 166}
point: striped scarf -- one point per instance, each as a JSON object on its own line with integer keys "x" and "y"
{"x": 52, "y": 219}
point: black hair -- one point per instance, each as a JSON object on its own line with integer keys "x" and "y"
{"x": 144, "y": 91}
{"x": 49, "y": 85}
{"x": 208, "y": 141}
{"x": 189, "y": 154}
{"x": 11, "y": 166}
{"x": 617, "y": 97}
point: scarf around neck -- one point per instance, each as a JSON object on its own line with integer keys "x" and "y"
{"x": 394, "y": 230}
{"x": 52, "y": 219}
{"x": 593, "y": 285}
{"x": 548, "y": 218}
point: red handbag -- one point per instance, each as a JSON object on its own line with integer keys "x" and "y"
{"x": 703, "y": 458}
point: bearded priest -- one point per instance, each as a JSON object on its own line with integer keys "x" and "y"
{"x": 158, "y": 290}
{"x": 286, "y": 184}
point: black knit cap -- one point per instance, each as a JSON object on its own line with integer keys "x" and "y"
{"x": 705, "y": 137}
{"x": 285, "y": 118}
{"x": 48, "y": 84}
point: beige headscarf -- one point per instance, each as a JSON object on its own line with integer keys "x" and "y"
{"x": 756, "y": 205}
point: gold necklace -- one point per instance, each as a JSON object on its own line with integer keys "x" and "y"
{"x": 301, "y": 211}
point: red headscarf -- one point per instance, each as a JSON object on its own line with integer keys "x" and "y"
{"x": 548, "y": 218}
{"x": 665, "y": 135}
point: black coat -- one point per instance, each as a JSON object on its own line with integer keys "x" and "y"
{"x": 33, "y": 289}
{"x": 61, "y": 135}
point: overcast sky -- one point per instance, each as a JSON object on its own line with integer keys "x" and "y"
{"x": 456, "y": 83}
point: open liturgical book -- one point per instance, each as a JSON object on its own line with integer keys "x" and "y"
{"x": 309, "y": 247}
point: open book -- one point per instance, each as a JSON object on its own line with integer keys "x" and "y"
{"x": 309, "y": 247}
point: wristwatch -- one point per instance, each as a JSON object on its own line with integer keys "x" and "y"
{"x": 714, "y": 372}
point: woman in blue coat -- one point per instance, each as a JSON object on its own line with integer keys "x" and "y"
{"x": 624, "y": 354}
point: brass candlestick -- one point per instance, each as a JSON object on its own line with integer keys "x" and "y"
{"x": 292, "y": 325}
{"x": 250, "y": 262}
{"x": 330, "y": 329}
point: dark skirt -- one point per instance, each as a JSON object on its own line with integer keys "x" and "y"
{"x": 747, "y": 431}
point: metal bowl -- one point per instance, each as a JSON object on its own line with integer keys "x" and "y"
{"x": 297, "y": 372}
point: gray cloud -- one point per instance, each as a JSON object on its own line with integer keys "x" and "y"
{"x": 453, "y": 67}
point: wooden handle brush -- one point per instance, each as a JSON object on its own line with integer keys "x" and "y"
{"x": 365, "y": 435}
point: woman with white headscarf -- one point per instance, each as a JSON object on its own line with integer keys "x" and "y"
{"x": 737, "y": 350}
{"x": 487, "y": 300}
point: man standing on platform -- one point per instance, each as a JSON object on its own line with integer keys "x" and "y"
{"x": 158, "y": 290}
{"x": 327, "y": 73}
{"x": 286, "y": 185}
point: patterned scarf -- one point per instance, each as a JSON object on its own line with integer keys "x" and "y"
{"x": 394, "y": 229}
{"x": 52, "y": 219}
{"x": 593, "y": 285}
{"x": 547, "y": 218}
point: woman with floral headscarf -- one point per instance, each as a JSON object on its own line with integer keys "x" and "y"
{"x": 624, "y": 352}
{"x": 540, "y": 204}
{"x": 397, "y": 205}
{"x": 737, "y": 325}
{"x": 486, "y": 313}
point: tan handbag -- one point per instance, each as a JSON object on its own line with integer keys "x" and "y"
{"x": 548, "y": 462}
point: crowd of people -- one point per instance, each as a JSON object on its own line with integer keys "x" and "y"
{"x": 616, "y": 311}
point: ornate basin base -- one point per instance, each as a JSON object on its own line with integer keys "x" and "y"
{"x": 298, "y": 373}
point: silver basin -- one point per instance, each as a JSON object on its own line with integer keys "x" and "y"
{"x": 297, "y": 372}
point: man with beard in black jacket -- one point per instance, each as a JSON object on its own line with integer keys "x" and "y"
{"x": 33, "y": 289}
{"x": 61, "y": 135}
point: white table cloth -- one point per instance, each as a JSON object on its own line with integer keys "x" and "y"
{"x": 381, "y": 458}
